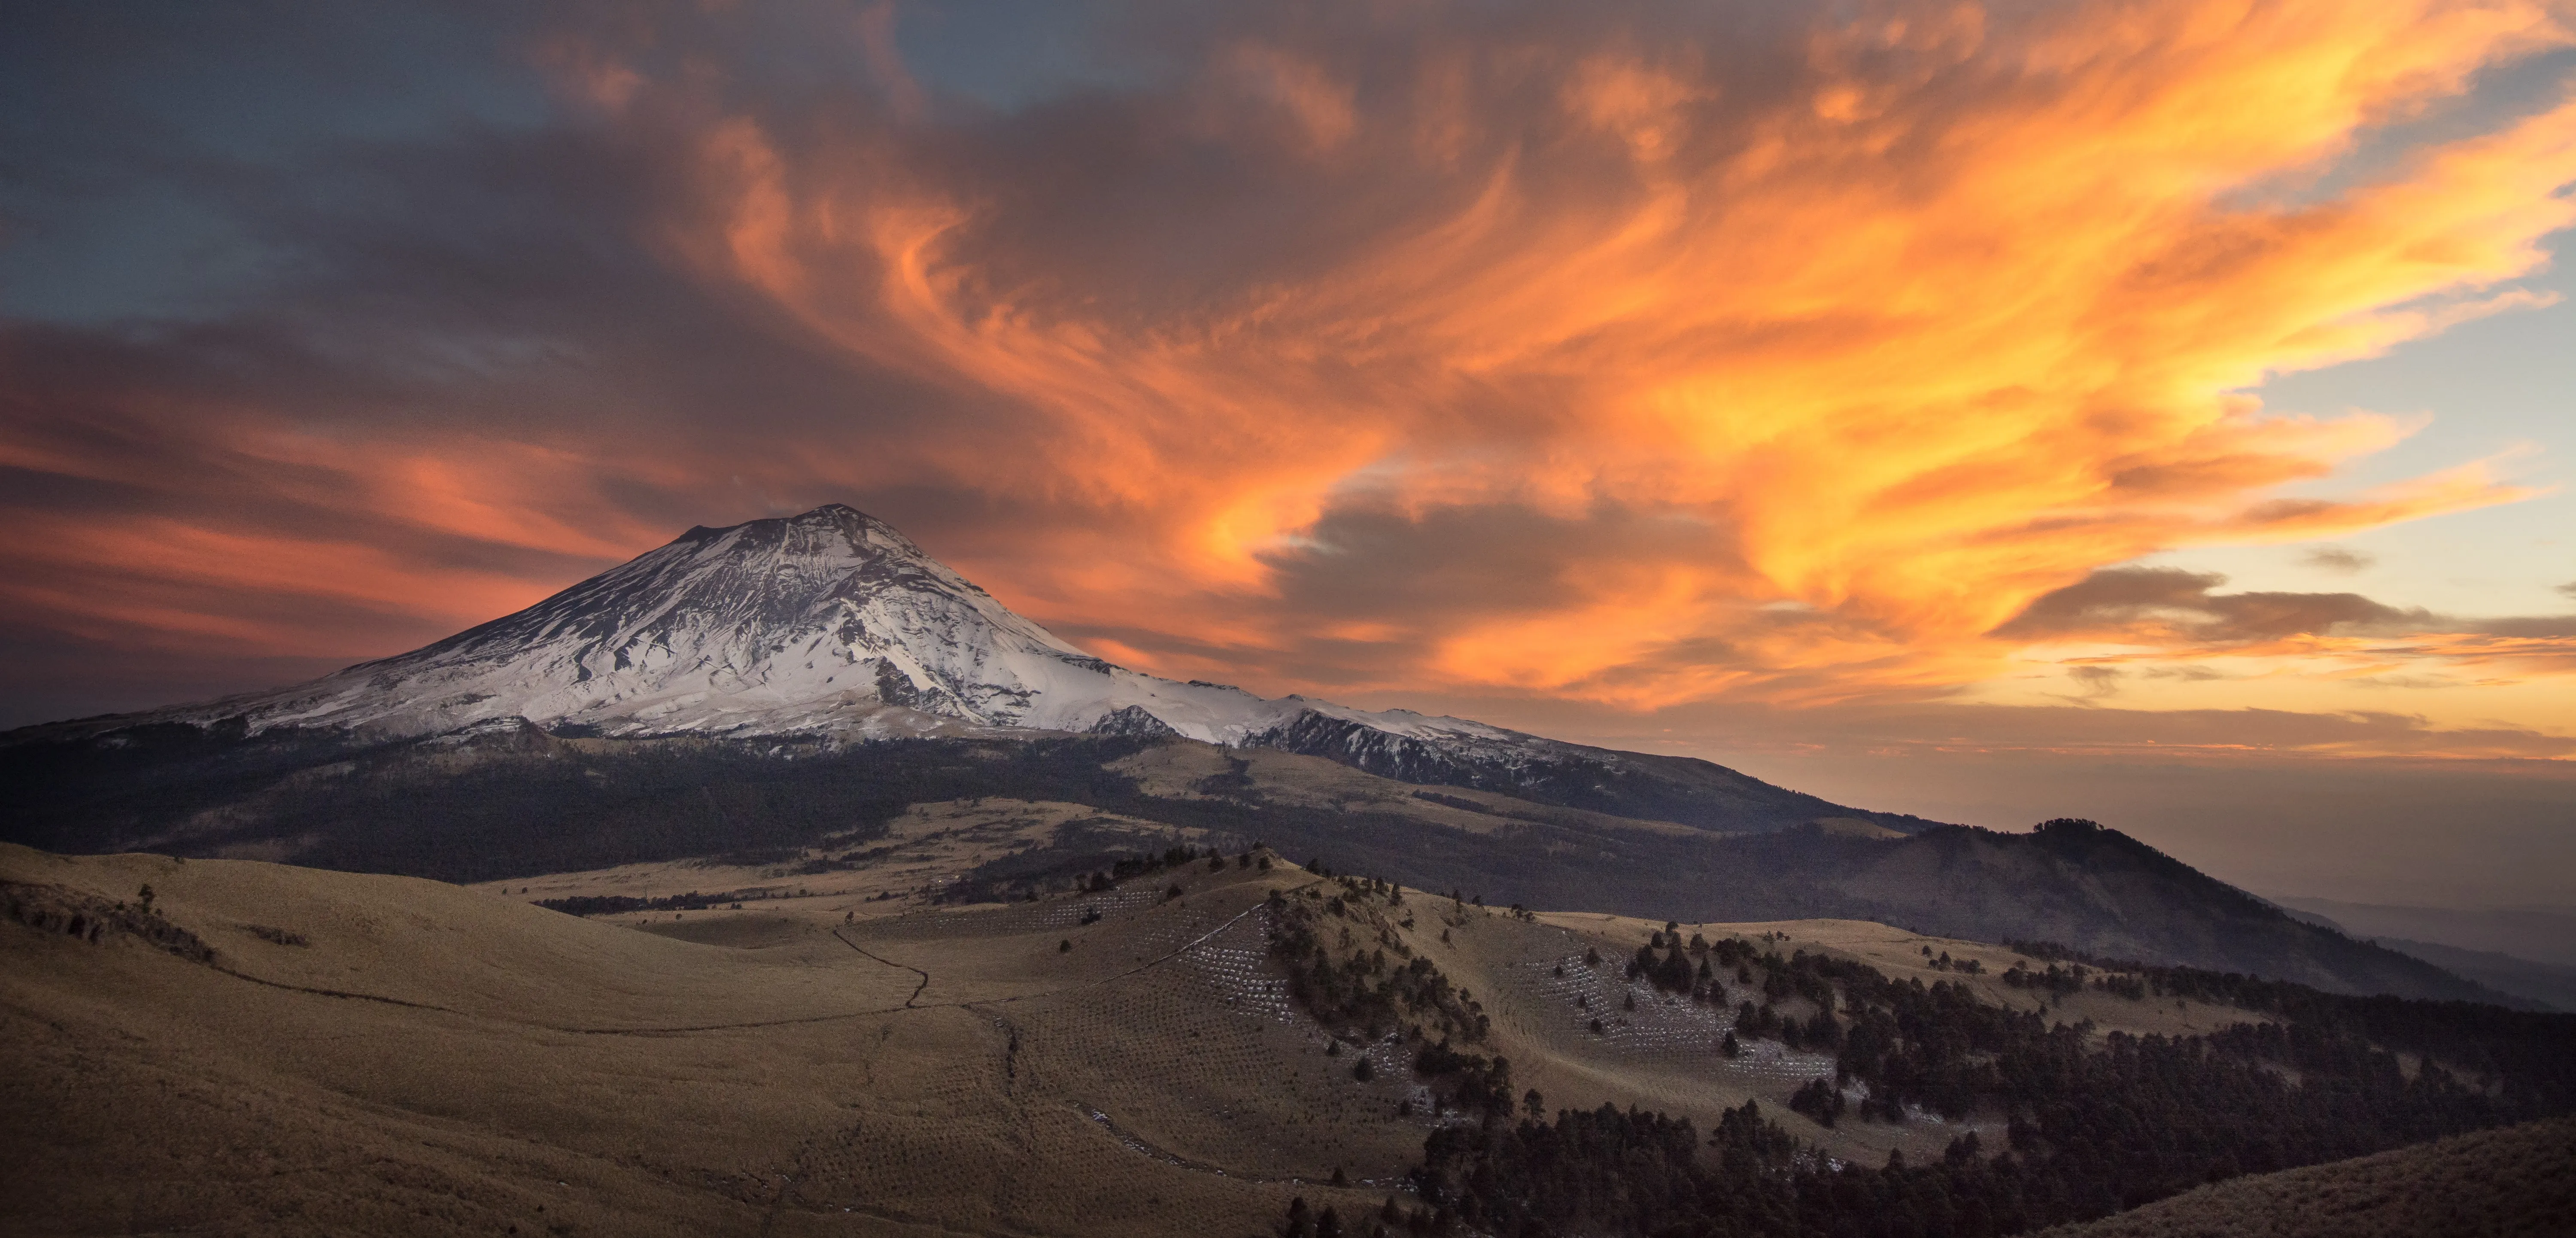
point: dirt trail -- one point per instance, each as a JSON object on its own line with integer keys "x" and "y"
{"x": 909, "y": 1003}
{"x": 912, "y": 1002}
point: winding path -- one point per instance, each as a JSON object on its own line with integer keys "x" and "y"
{"x": 911, "y": 1002}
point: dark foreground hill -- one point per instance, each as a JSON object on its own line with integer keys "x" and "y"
{"x": 509, "y": 800}
{"x": 2511, "y": 1183}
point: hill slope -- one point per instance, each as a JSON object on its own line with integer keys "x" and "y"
{"x": 2541, "y": 934}
{"x": 392, "y": 1055}
{"x": 253, "y": 1048}
{"x": 2510, "y": 1183}
{"x": 2550, "y": 984}
{"x": 508, "y": 801}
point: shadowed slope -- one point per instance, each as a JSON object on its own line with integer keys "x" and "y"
{"x": 2510, "y": 1183}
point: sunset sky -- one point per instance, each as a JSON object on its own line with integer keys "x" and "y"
{"x": 2162, "y": 411}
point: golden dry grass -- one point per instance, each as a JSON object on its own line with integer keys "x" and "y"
{"x": 923, "y": 849}
{"x": 440, "y": 1059}
{"x": 1174, "y": 771}
{"x": 1899, "y": 954}
{"x": 2511, "y": 1183}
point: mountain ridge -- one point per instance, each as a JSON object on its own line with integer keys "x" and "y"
{"x": 833, "y": 624}
{"x": 762, "y": 689}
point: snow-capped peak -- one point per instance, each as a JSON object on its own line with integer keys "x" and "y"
{"x": 828, "y": 622}
{"x": 832, "y": 624}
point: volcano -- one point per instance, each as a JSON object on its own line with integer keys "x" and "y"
{"x": 834, "y": 625}
{"x": 823, "y": 673}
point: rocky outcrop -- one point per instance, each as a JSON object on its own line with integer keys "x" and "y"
{"x": 88, "y": 917}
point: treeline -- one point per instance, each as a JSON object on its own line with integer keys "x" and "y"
{"x": 540, "y": 806}
{"x": 90, "y": 795}
{"x": 561, "y": 806}
{"x": 612, "y": 904}
{"x": 1083, "y": 858}
{"x": 2515, "y": 1049}
{"x": 1335, "y": 948}
{"x": 2093, "y": 1124}
{"x": 574, "y": 809}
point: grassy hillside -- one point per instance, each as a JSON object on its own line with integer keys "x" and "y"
{"x": 256, "y": 1048}
{"x": 385, "y": 1054}
{"x": 518, "y": 803}
{"x": 2510, "y": 1183}
{"x": 2105, "y": 893}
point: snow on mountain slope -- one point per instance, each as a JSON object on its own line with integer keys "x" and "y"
{"x": 828, "y": 622}
{"x": 833, "y": 624}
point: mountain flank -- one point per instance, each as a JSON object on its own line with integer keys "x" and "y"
{"x": 2540, "y": 934}
{"x": 2549, "y": 984}
{"x": 831, "y": 627}
{"x": 504, "y": 802}
{"x": 778, "y": 693}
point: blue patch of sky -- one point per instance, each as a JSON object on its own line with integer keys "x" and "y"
{"x": 2493, "y": 100}
{"x": 1011, "y": 54}
{"x": 116, "y": 119}
{"x": 2500, "y": 389}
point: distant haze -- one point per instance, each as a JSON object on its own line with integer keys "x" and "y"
{"x": 2544, "y": 934}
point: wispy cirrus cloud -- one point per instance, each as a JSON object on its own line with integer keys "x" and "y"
{"x": 1791, "y": 319}
{"x": 1640, "y": 353}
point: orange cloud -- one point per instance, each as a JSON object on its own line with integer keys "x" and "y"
{"x": 1935, "y": 321}
{"x": 1637, "y": 354}
{"x": 150, "y": 576}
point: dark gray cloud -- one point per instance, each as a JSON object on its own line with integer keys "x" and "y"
{"x": 2338, "y": 559}
{"x": 476, "y": 263}
{"x": 2186, "y": 673}
{"x": 2096, "y": 681}
{"x": 2171, "y": 604}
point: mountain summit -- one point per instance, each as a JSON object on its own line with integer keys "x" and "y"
{"x": 832, "y": 624}
{"x": 827, "y": 622}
